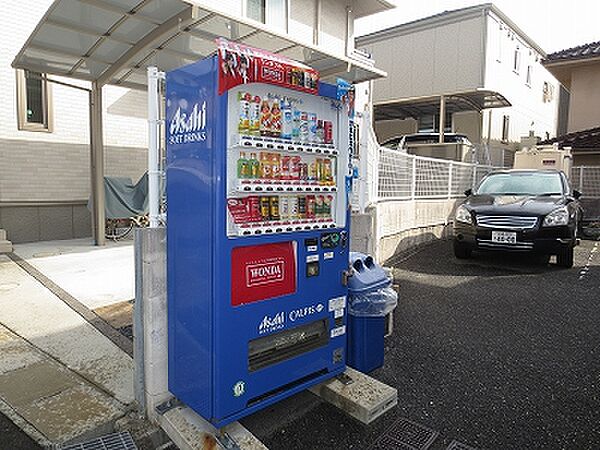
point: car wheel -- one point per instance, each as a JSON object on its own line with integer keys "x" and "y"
{"x": 461, "y": 251}
{"x": 565, "y": 258}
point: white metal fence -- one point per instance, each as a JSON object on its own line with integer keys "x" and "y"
{"x": 586, "y": 179}
{"x": 401, "y": 176}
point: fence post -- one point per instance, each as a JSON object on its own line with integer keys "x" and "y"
{"x": 413, "y": 185}
{"x": 450, "y": 168}
{"x": 581, "y": 179}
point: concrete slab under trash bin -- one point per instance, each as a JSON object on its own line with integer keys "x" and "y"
{"x": 365, "y": 398}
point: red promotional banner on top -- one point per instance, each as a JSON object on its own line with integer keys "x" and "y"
{"x": 259, "y": 272}
{"x": 240, "y": 64}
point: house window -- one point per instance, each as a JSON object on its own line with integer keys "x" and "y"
{"x": 34, "y": 102}
{"x": 517, "y": 60}
{"x": 255, "y": 9}
{"x": 505, "y": 126}
{"x": 270, "y": 12}
{"x": 430, "y": 123}
{"x": 548, "y": 92}
{"x": 528, "y": 78}
{"x": 499, "y": 55}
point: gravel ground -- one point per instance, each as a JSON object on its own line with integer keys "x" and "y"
{"x": 498, "y": 352}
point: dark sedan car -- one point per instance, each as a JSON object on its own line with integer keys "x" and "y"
{"x": 520, "y": 210}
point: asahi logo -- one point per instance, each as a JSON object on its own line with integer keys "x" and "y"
{"x": 301, "y": 313}
{"x": 188, "y": 127}
{"x": 266, "y": 271}
{"x": 272, "y": 323}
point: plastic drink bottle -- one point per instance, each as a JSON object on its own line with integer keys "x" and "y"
{"x": 242, "y": 166}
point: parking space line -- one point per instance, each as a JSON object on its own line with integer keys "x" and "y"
{"x": 585, "y": 269}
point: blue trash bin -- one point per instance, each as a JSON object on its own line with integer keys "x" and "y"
{"x": 370, "y": 299}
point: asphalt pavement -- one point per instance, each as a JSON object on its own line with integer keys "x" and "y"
{"x": 497, "y": 352}
{"x": 13, "y": 438}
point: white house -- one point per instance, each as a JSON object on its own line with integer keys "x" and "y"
{"x": 488, "y": 70}
{"x": 45, "y": 126}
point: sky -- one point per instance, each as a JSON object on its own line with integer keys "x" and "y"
{"x": 553, "y": 24}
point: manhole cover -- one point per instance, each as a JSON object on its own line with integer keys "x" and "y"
{"x": 455, "y": 445}
{"x": 406, "y": 435}
{"x": 115, "y": 441}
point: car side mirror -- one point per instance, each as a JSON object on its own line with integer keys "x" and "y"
{"x": 468, "y": 192}
{"x": 576, "y": 194}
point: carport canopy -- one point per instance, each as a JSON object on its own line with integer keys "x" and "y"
{"x": 115, "y": 41}
{"x": 476, "y": 100}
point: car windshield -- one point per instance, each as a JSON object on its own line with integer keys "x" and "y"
{"x": 522, "y": 183}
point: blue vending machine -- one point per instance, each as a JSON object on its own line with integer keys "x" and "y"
{"x": 257, "y": 231}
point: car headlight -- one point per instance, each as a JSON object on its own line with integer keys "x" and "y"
{"x": 463, "y": 215}
{"x": 557, "y": 217}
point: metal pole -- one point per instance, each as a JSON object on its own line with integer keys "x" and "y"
{"x": 97, "y": 165}
{"x": 153, "y": 157}
{"x": 442, "y": 117}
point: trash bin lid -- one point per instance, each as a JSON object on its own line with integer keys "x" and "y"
{"x": 366, "y": 274}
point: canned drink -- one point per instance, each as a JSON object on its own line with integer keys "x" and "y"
{"x": 303, "y": 171}
{"x": 319, "y": 206}
{"x": 293, "y": 207}
{"x": 275, "y": 165}
{"x": 327, "y": 199}
{"x": 274, "y": 208}
{"x": 284, "y": 207}
{"x": 327, "y": 176}
{"x": 312, "y": 171}
{"x": 285, "y": 168}
{"x": 312, "y": 127}
{"x": 319, "y": 170}
{"x": 301, "y": 207}
{"x": 328, "y": 132}
{"x": 254, "y": 208}
{"x": 303, "y": 128}
{"x": 310, "y": 206}
{"x": 265, "y": 208}
{"x": 295, "y": 163}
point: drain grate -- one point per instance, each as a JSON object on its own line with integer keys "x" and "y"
{"x": 405, "y": 434}
{"x": 115, "y": 441}
{"x": 455, "y": 445}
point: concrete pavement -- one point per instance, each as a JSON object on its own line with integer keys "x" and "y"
{"x": 96, "y": 276}
{"x": 59, "y": 376}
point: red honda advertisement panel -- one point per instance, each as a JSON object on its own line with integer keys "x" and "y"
{"x": 260, "y": 272}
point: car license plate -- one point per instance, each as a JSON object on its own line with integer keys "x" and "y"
{"x": 504, "y": 237}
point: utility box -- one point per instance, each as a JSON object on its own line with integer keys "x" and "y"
{"x": 257, "y": 237}
{"x": 544, "y": 157}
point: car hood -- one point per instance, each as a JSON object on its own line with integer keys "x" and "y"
{"x": 515, "y": 204}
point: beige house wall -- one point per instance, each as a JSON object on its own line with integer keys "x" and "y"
{"x": 387, "y": 129}
{"x": 584, "y": 105}
{"x": 468, "y": 123}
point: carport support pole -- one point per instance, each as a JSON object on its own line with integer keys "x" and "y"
{"x": 153, "y": 159}
{"x": 442, "y": 117}
{"x": 97, "y": 165}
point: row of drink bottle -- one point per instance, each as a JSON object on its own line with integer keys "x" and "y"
{"x": 280, "y": 208}
{"x": 278, "y": 118}
{"x": 274, "y": 166}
